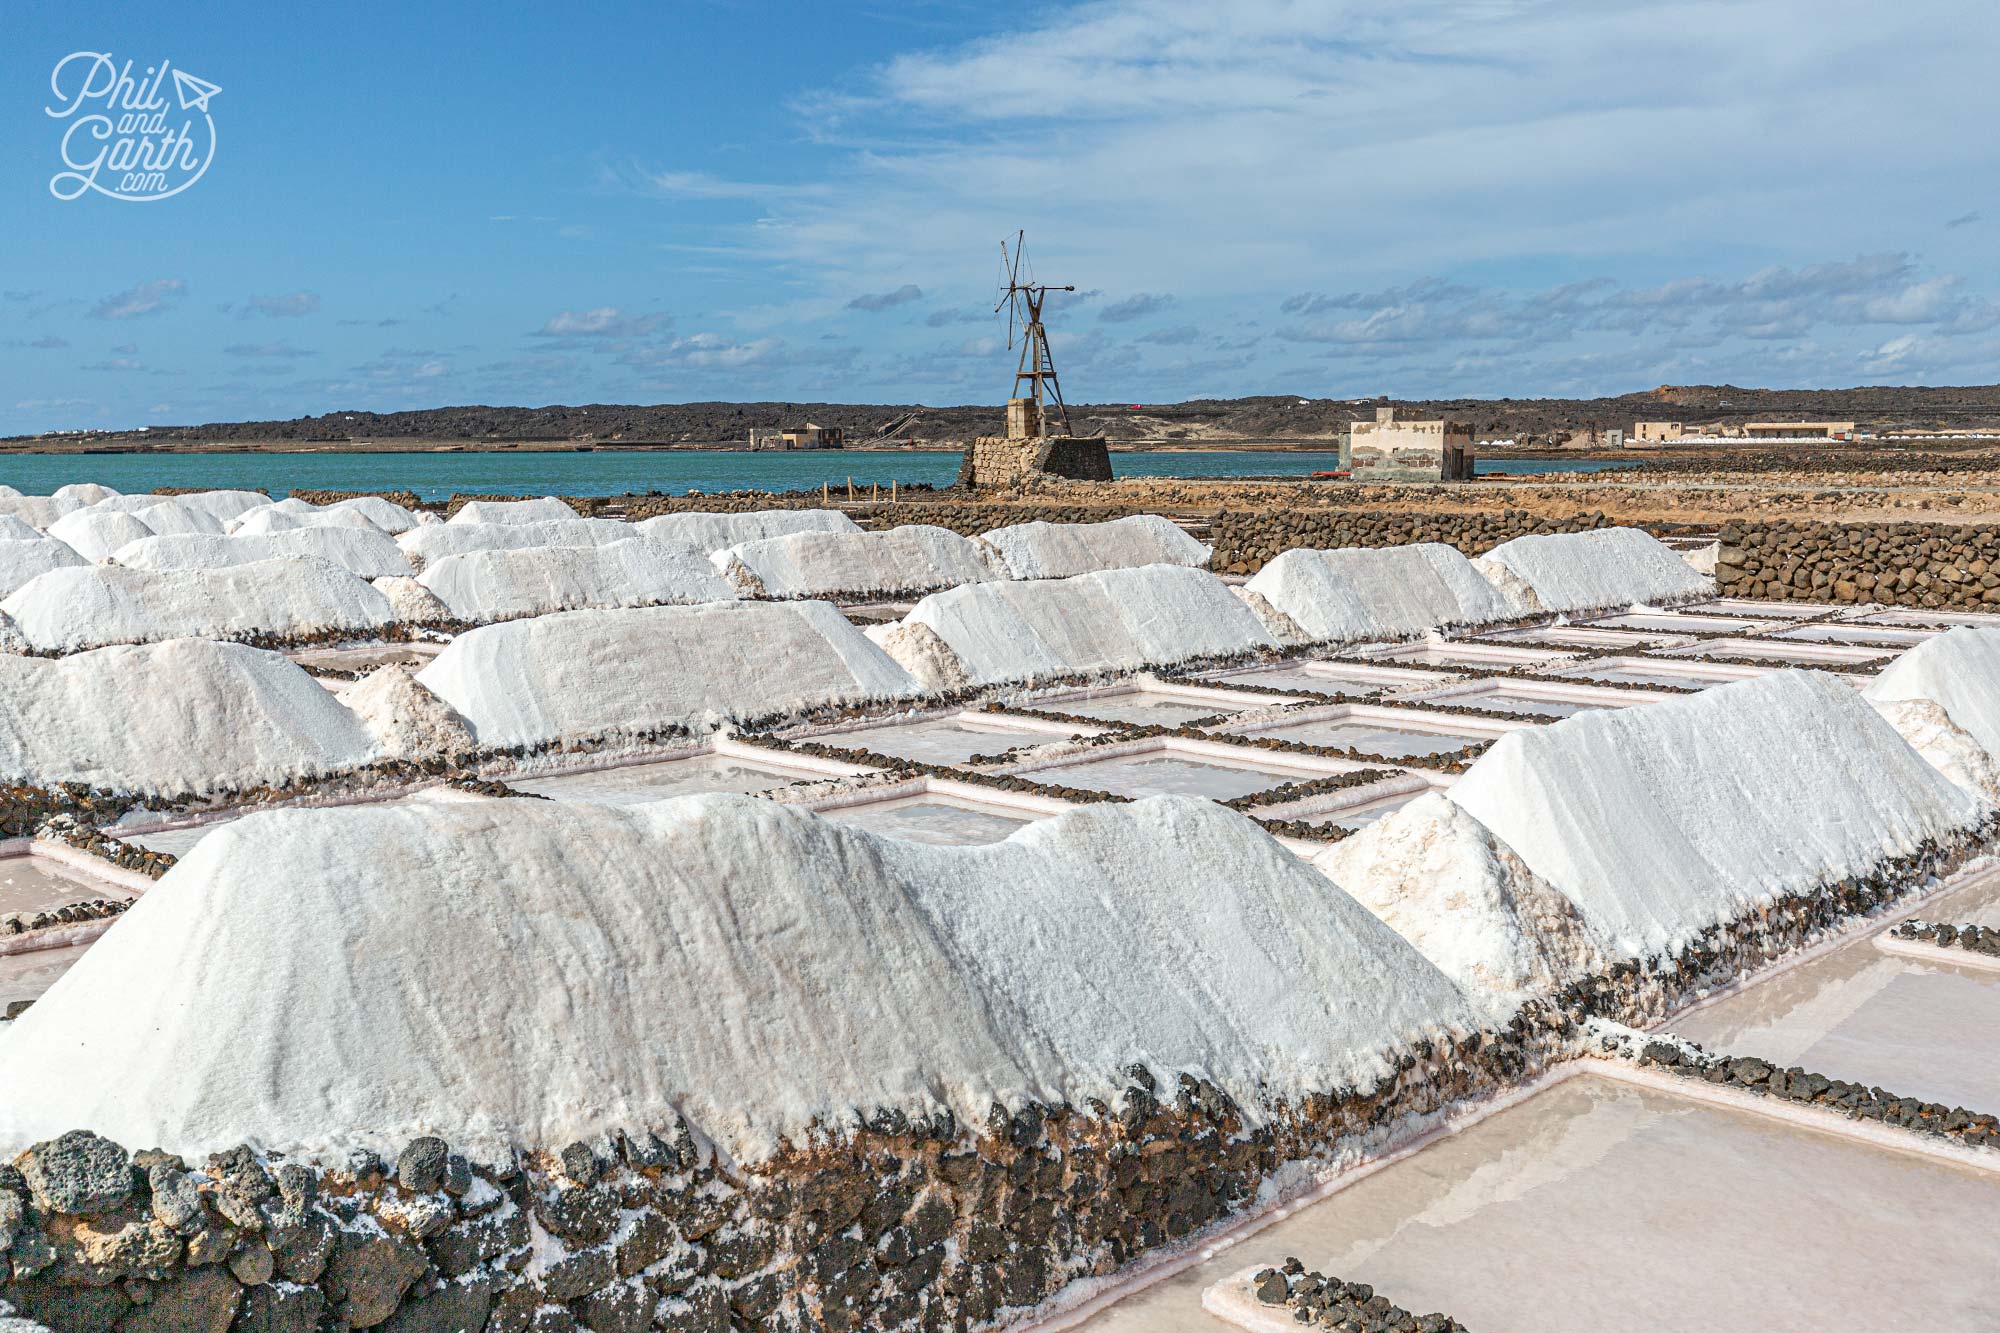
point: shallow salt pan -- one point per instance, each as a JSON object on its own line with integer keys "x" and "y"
{"x": 34, "y": 884}
{"x": 25, "y": 976}
{"x": 949, "y": 740}
{"x": 1593, "y": 1207}
{"x": 1914, "y": 1028}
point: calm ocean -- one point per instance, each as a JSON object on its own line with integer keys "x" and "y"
{"x": 435, "y": 476}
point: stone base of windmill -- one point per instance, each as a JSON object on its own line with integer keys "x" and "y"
{"x": 993, "y": 461}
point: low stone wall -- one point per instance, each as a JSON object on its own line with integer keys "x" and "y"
{"x": 897, "y": 1225}
{"x": 1244, "y": 541}
{"x": 1936, "y": 566}
{"x": 1328, "y": 1302}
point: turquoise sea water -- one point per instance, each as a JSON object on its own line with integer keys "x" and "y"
{"x": 435, "y": 476}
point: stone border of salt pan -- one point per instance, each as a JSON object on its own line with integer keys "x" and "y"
{"x": 969, "y": 793}
{"x": 1395, "y": 719}
{"x": 1469, "y": 654}
{"x": 973, "y": 718}
{"x": 721, "y": 745}
{"x": 1220, "y": 753}
{"x": 1146, "y": 683}
{"x": 1889, "y": 1138}
{"x": 74, "y": 862}
{"x": 1923, "y": 952}
{"x": 1549, "y": 689}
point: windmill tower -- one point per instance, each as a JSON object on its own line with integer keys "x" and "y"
{"x": 1026, "y": 419}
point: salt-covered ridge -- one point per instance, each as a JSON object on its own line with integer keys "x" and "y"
{"x": 540, "y": 974}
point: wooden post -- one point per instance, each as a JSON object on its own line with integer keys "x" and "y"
{"x": 892, "y": 490}
{"x": 824, "y": 497}
{"x": 850, "y": 489}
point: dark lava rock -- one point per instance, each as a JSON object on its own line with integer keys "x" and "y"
{"x": 78, "y": 1173}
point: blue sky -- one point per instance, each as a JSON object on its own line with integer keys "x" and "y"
{"x": 695, "y": 200}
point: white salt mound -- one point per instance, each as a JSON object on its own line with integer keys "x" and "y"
{"x": 171, "y": 518}
{"x": 364, "y": 551}
{"x": 1960, "y": 672}
{"x": 1588, "y": 571}
{"x": 406, "y": 720}
{"x": 275, "y": 518}
{"x": 500, "y": 585}
{"x": 95, "y": 534}
{"x": 1358, "y": 593}
{"x": 66, "y": 610}
{"x": 1117, "y": 620}
{"x": 80, "y": 493}
{"x": 1057, "y": 550}
{"x": 548, "y": 509}
{"x": 1441, "y": 880}
{"x": 22, "y": 560}
{"x": 306, "y": 981}
{"x": 8, "y": 492}
{"x": 1660, "y": 821}
{"x": 911, "y": 559}
{"x": 1943, "y": 744}
{"x": 700, "y": 531}
{"x": 190, "y": 716}
{"x": 587, "y": 674}
{"x": 15, "y": 529}
{"x": 412, "y": 602}
{"x": 225, "y": 505}
{"x": 387, "y": 515}
{"x": 434, "y": 541}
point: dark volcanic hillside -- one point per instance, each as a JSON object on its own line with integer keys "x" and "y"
{"x": 1273, "y": 417}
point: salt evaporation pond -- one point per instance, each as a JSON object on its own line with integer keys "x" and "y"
{"x": 1645, "y": 671}
{"x": 1531, "y": 700}
{"x": 1912, "y": 1028}
{"x": 365, "y": 657}
{"x": 1675, "y": 624}
{"x": 1470, "y": 654}
{"x": 944, "y": 740}
{"x": 1975, "y": 901}
{"x": 1974, "y": 619}
{"x": 1576, "y": 636}
{"x": 1806, "y": 654}
{"x": 636, "y": 784}
{"x": 1361, "y": 816}
{"x": 1371, "y": 737}
{"x": 1147, "y": 708}
{"x": 1166, "y": 775}
{"x": 932, "y": 818}
{"x": 1596, "y": 1206}
{"x": 1767, "y": 611}
{"x": 24, "y": 976}
{"x": 1334, "y": 678}
{"x": 1865, "y": 634}
{"x": 29, "y": 884}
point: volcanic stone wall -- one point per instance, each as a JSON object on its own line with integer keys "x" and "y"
{"x": 1936, "y": 566}
{"x": 1245, "y": 541}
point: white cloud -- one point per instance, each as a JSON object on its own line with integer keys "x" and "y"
{"x": 148, "y": 298}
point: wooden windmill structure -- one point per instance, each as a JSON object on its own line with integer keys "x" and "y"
{"x": 1023, "y": 302}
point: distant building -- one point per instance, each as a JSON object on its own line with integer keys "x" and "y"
{"x": 1798, "y": 430}
{"x": 1386, "y": 449}
{"x": 808, "y": 436}
{"x": 1657, "y": 432}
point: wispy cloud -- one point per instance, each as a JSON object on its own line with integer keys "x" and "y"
{"x": 148, "y": 298}
{"x": 296, "y": 305}
{"x": 1134, "y": 307}
{"x": 903, "y": 295}
{"x": 605, "y": 322}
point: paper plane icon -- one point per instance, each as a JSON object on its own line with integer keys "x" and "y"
{"x": 194, "y": 93}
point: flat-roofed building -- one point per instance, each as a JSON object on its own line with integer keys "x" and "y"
{"x": 1657, "y": 432}
{"x": 1386, "y": 449}
{"x": 1798, "y": 430}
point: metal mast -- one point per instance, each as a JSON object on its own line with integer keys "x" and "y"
{"x": 1023, "y": 302}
